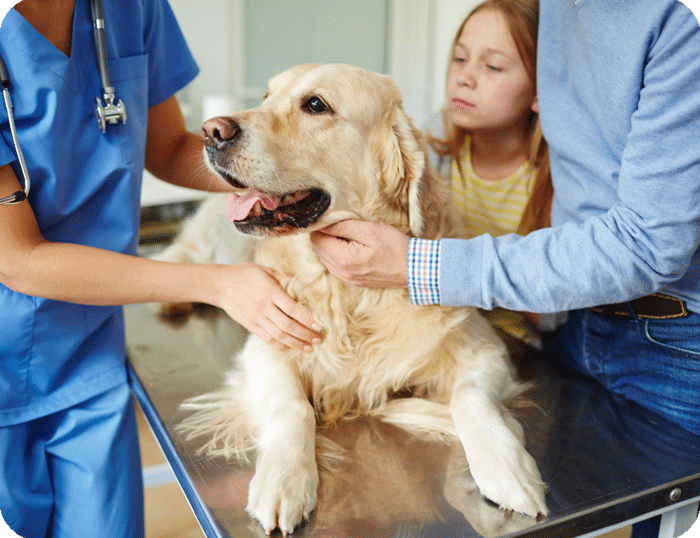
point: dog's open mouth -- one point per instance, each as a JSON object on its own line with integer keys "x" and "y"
{"x": 254, "y": 211}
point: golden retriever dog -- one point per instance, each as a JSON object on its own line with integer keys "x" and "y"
{"x": 331, "y": 142}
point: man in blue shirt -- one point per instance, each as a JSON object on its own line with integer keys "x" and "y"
{"x": 619, "y": 96}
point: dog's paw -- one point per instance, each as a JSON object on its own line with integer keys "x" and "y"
{"x": 509, "y": 477}
{"x": 462, "y": 493}
{"x": 282, "y": 495}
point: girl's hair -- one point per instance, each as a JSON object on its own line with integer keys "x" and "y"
{"x": 522, "y": 17}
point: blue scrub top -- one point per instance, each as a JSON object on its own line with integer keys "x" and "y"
{"x": 85, "y": 188}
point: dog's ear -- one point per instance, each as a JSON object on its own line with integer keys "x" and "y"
{"x": 408, "y": 183}
{"x": 415, "y": 164}
{"x": 402, "y": 163}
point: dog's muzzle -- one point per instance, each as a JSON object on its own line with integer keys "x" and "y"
{"x": 220, "y": 132}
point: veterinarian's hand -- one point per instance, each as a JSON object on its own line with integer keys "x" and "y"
{"x": 254, "y": 296}
{"x": 363, "y": 253}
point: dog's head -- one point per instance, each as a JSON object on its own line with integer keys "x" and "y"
{"x": 328, "y": 142}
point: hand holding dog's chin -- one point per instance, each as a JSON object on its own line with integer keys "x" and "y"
{"x": 366, "y": 254}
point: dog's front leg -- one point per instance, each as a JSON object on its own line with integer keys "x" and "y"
{"x": 284, "y": 487}
{"x": 493, "y": 439}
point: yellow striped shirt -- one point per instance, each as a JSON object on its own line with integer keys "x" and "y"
{"x": 494, "y": 207}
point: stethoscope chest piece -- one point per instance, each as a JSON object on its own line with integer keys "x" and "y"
{"x": 109, "y": 112}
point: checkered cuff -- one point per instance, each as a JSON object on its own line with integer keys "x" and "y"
{"x": 424, "y": 271}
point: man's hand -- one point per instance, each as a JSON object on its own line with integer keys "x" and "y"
{"x": 364, "y": 254}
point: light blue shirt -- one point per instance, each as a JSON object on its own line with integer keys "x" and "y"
{"x": 85, "y": 188}
{"x": 619, "y": 92}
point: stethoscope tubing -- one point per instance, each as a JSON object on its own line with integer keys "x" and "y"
{"x": 111, "y": 113}
{"x": 19, "y": 195}
{"x": 98, "y": 25}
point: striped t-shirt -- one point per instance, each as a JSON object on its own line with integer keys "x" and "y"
{"x": 492, "y": 207}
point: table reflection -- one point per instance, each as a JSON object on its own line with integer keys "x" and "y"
{"x": 604, "y": 459}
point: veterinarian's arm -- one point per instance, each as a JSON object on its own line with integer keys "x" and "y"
{"x": 175, "y": 155}
{"x": 250, "y": 294}
{"x": 363, "y": 253}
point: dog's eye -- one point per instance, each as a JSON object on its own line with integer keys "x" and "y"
{"x": 315, "y": 105}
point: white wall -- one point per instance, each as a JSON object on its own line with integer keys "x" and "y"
{"x": 449, "y": 15}
{"x": 240, "y": 44}
{"x": 210, "y": 29}
{"x": 418, "y": 34}
{"x": 411, "y": 54}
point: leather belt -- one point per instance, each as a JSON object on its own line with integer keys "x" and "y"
{"x": 655, "y": 306}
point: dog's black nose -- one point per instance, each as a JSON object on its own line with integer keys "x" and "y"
{"x": 219, "y": 131}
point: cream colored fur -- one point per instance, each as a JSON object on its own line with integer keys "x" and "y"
{"x": 432, "y": 370}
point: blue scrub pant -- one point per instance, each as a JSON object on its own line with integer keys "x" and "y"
{"x": 76, "y": 472}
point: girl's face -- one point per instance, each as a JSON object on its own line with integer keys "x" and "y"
{"x": 488, "y": 88}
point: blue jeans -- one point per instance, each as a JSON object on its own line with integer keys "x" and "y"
{"x": 655, "y": 363}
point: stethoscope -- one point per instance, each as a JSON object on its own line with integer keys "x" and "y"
{"x": 107, "y": 112}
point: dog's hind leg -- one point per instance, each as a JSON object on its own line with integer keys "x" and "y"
{"x": 493, "y": 439}
{"x": 283, "y": 490}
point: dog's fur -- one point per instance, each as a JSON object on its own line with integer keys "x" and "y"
{"x": 431, "y": 370}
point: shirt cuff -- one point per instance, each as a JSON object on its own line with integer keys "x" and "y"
{"x": 423, "y": 272}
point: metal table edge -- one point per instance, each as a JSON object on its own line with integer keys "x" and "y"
{"x": 600, "y": 519}
{"x": 209, "y": 525}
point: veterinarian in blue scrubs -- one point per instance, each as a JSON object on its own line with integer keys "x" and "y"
{"x": 69, "y": 455}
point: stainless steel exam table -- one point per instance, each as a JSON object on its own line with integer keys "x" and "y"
{"x": 607, "y": 462}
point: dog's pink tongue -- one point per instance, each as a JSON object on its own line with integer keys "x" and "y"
{"x": 238, "y": 207}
